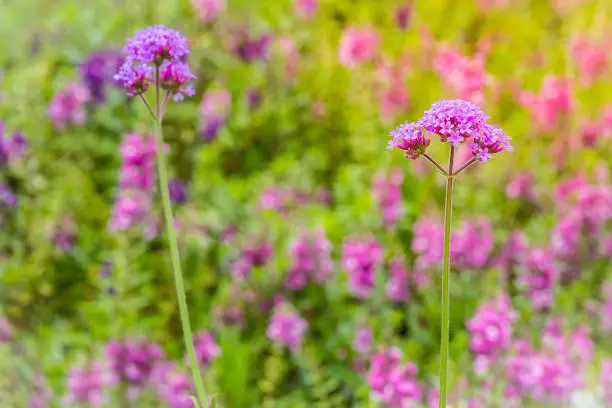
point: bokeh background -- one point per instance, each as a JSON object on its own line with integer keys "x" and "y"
{"x": 311, "y": 252}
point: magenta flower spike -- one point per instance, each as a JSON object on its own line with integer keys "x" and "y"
{"x": 455, "y": 122}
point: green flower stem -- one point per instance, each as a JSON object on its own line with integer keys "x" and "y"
{"x": 174, "y": 251}
{"x": 445, "y": 320}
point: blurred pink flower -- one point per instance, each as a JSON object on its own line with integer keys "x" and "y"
{"x": 68, "y": 106}
{"x": 358, "y": 45}
{"x": 290, "y": 55}
{"x": 208, "y": 10}
{"x": 554, "y": 99}
{"x": 306, "y": 8}
{"x": 286, "y": 327}
{"x": 392, "y": 382}
{"x": 521, "y": 186}
{"x": 466, "y": 76}
{"x": 591, "y": 58}
{"x": 387, "y": 192}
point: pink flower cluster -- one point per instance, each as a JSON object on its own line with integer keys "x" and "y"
{"x": 521, "y": 186}
{"x": 214, "y": 111}
{"x": 136, "y": 181}
{"x": 392, "y": 382}
{"x": 174, "y": 386}
{"x": 472, "y": 244}
{"x": 539, "y": 275}
{"x": 456, "y": 122}
{"x": 552, "y": 373}
{"x": 68, "y": 106}
{"x": 591, "y": 58}
{"x": 491, "y": 327}
{"x": 311, "y": 253}
{"x": 554, "y": 100}
{"x": 364, "y": 340}
{"x": 513, "y": 251}
{"x": 393, "y": 93}
{"x": 361, "y": 258}
{"x": 88, "y": 385}
{"x": 12, "y": 147}
{"x": 306, "y": 8}
{"x": 282, "y": 199}
{"x": 387, "y": 192}
{"x": 397, "y": 287}
{"x": 286, "y": 327}
{"x": 427, "y": 243}
{"x": 579, "y": 233}
{"x": 252, "y": 255}
{"x": 466, "y": 76}
{"x": 156, "y": 50}
{"x": 208, "y": 10}
{"x": 358, "y": 45}
{"x": 132, "y": 361}
{"x": 206, "y": 348}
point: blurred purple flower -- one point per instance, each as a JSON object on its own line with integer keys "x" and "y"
{"x": 254, "y": 254}
{"x": 64, "y": 235}
{"x": 178, "y": 191}
{"x": 521, "y": 186}
{"x": 387, "y": 191}
{"x": 286, "y": 327}
{"x": 358, "y": 45}
{"x": 392, "y": 382}
{"x": 8, "y": 199}
{"x": 250, "y": 48}
{"x": 68, "y": 106}
{"x": 12, "y": 147}
{"x": 214, "y": 111}
{"x": 364, "y": 340}
{"x": 538, "y": 277}
{"x": 403, "y": 15}
{"x": 132, "y": 361}
{"x": 311, "y": 253}
{"x": 88, "y": 385}
{"x": 206, "y": 348}
{"x": 40, "y": 396}
{"x": 427, "y": 243}
{"x": 605, "y": 379}
{"x": 397, "y": 288}
{"x": 97, "y": 72}
{"x": 491, "y": 327}
{"x": 172, "y": 385}
{"x": 361, "y": 258}
{"x": 472, "y": 244}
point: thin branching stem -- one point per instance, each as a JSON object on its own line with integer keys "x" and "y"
{"x": 435, "y": 163}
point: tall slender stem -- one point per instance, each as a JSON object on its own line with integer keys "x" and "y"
{"x": 445, "y": 320}
{"x": 174, "y": 251}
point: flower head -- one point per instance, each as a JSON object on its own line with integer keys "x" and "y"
{"x": 97, "y": 71}
{"x": 286, "y": 327}
{"x": 208, "y": 10}
{"x": 174, "y": 76}
{"x": 392, "y": 382}
{"x": 156, "y": 44}
{"x": 456, "y": 122}
{"x": 156, "y": 52}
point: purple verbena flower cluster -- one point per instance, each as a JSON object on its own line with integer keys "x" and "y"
{"x": 472, "y": 244}
{"x": 397, "y": 286}
{"x": 427, "y": 243}
{"x": 249, "y": 47}
{"x": 97, "y": 72}
{"x": 68, "y": 106}
{"x": 491, "y": 328}
{"x": 311, "y": 253}
{"x": 136, "y": 182}
{"x": 8, "y": 199}
{"x": 456, "y": 122}
{"x": 206, "y": 348}
{"x": 156, "y": 53}
{"x": 392, "y": 382}
{"x": 387, "y": 192}
{"x": 286, "y": 327}
{"x": 132, "y": 361}
{"x": 255, "y": 254}
{"x": 539, "y": 275}
{"x": 552, "y": 373}
{"x": 361, "y": 258}
{"x": 88, "y": 385}
{"x": 214, "y": 111}
{"x": 172, "y": 385}
{"x": 12, "y": 147}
